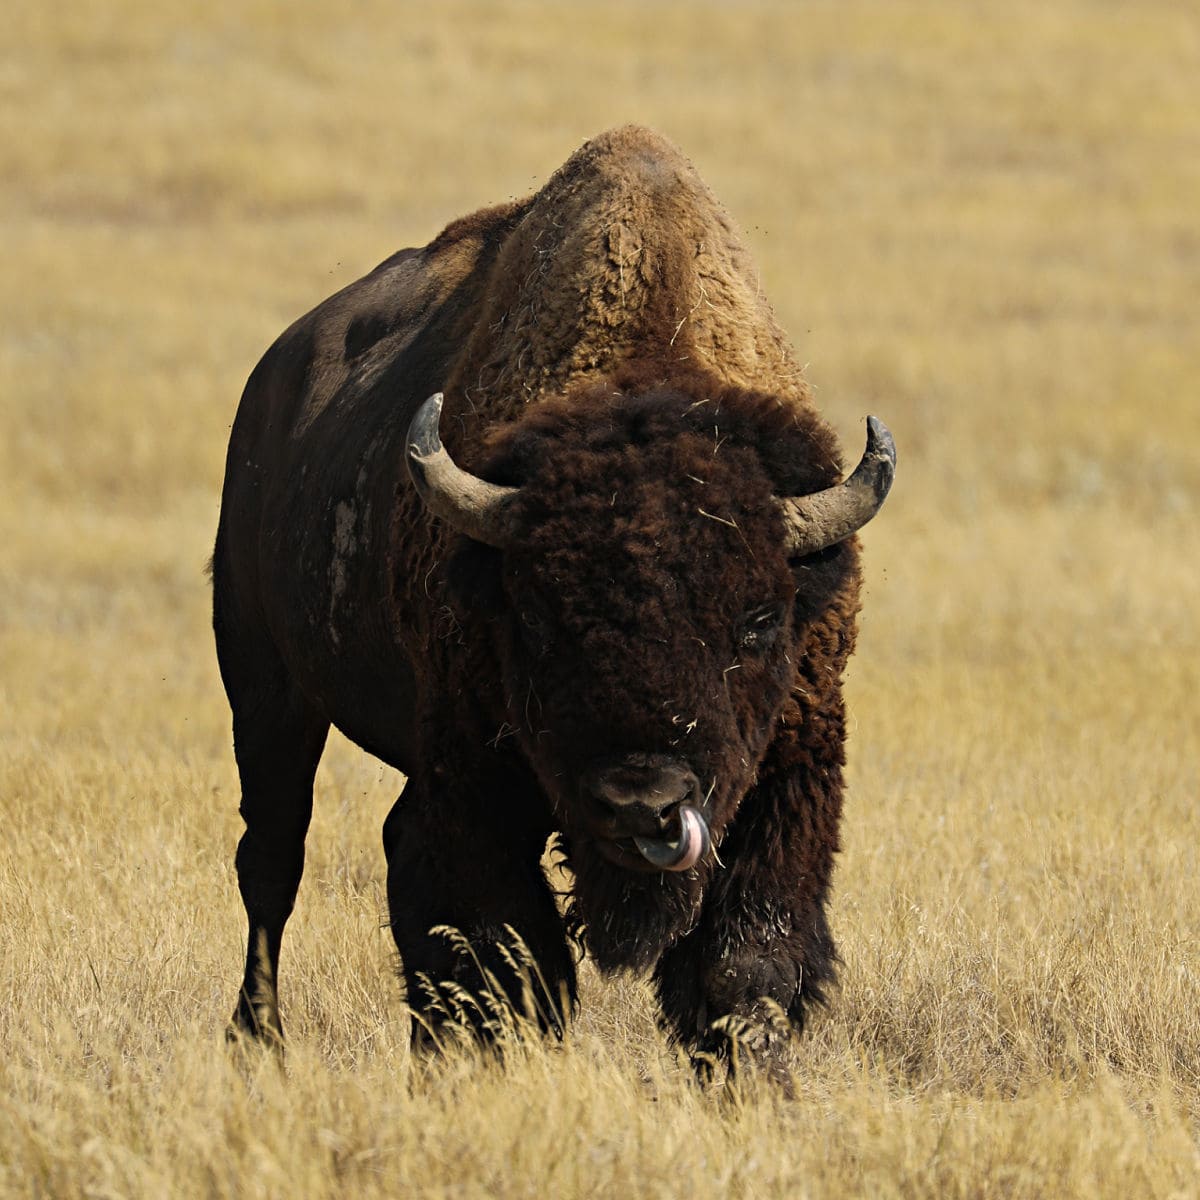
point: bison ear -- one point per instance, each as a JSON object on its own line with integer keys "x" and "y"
{"x": 474, "y": 581}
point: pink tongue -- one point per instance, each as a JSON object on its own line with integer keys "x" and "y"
{"x": 683, "y": 852}
{"x": 691, "y": 837}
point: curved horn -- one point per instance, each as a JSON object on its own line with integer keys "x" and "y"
{"x": 830, "y": 516}
{"x": 481, "y": 510}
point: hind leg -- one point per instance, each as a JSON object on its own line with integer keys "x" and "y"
{"x": 473, "y": 864}
{"x": 277, "y": 754}
{"x": 278, "y": 738}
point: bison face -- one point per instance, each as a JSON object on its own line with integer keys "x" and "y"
{"x": 646, "y": 650}
{"x": 652, "y": 616}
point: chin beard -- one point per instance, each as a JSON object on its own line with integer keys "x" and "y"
{"x": 626, "y": 919}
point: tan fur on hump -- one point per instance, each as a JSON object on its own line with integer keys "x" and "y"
{"x": 625, "y": 252}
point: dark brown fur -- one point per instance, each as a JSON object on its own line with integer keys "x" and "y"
{"x": 604, "y": 346}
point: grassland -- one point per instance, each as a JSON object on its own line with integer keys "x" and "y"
{"x": 978, "y": 221}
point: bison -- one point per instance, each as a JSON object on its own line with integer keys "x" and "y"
{"x": 542, "y": 515}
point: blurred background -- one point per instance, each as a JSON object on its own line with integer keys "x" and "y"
{"x": 977, "y": 221}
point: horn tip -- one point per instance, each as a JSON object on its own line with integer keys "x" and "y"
{"x": 882, "y": 448}
{"x": 423, "y": 437}
{"x": 879, "y": 438}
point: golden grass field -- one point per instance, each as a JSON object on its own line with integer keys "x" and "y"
{"x": 979, "y": 221}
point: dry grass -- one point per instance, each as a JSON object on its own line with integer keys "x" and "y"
{"x": 979, "y": 221}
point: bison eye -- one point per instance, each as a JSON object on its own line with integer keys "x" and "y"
{"x": 758, "y": 628}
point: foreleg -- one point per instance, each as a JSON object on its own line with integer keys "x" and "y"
{"x": 471, "y": 864}
{"x": 740, "y": 983}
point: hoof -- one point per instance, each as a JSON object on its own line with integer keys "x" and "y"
{"x": 258, "y": 1023}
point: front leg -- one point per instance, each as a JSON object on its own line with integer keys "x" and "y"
{"x": 738, "y": 986}
{"x": 463, "y": 851}
{"x": 740, "y": 983}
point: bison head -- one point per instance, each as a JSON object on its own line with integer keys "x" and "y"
{"x": 654, "y": 562}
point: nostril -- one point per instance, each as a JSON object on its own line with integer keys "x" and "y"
{"x": 656, "y": 789}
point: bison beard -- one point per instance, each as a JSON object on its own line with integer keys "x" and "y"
{"x": 627, "y": 919}
{"x": 631, "y": 569}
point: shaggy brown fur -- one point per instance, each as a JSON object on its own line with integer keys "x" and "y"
{"x": 604, "y": 345}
